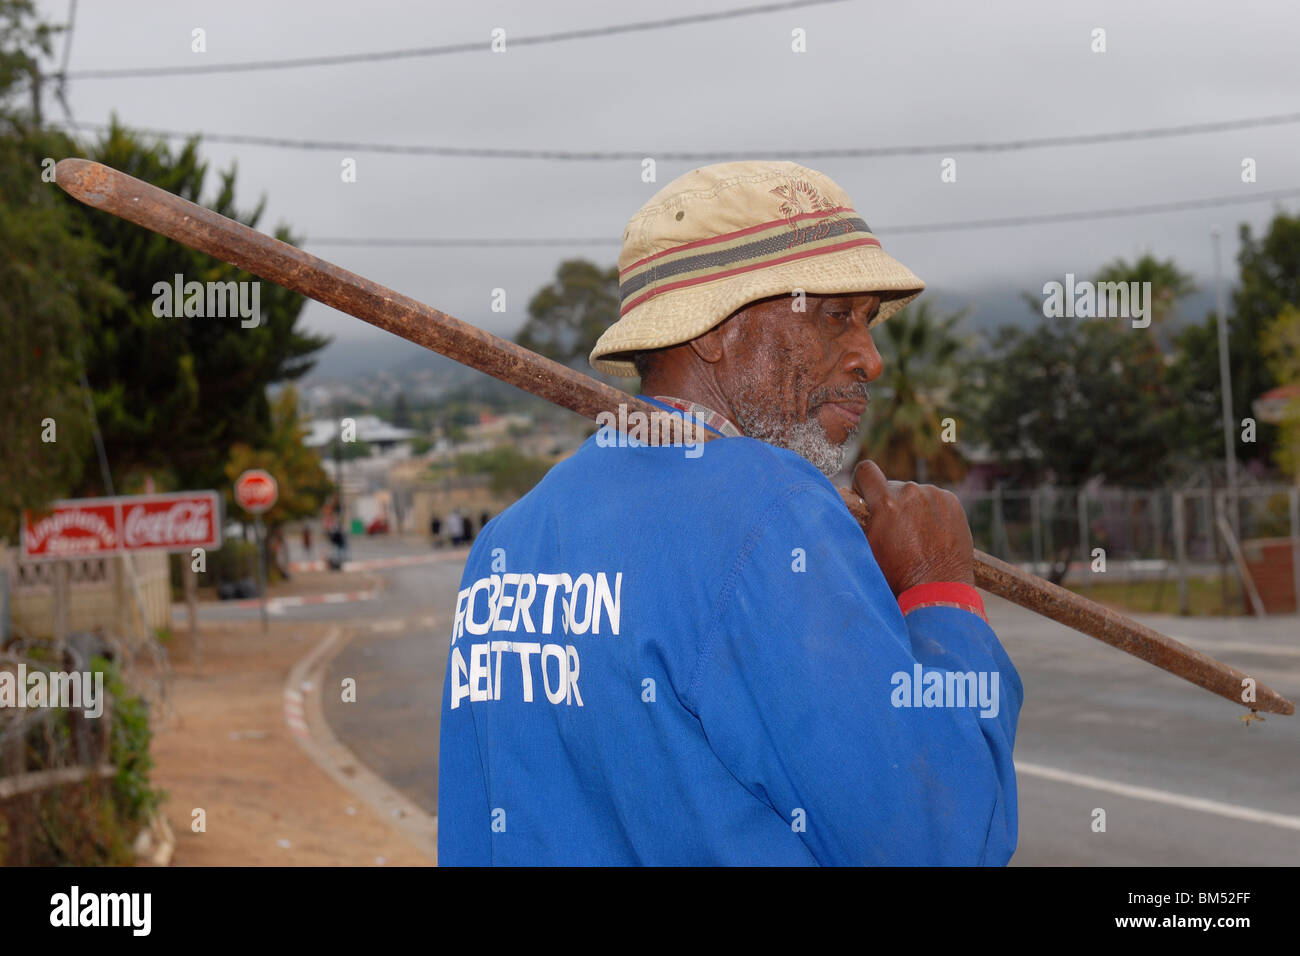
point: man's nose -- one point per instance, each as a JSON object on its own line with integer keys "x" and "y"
{"x": 861, "y": 360}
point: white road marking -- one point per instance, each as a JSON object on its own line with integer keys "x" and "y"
{"x": 1232, "y": 810}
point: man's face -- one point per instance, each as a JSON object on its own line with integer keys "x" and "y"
{"x": 798, "y": 379}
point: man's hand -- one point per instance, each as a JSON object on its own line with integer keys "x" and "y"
{"x": 918, "y": 533}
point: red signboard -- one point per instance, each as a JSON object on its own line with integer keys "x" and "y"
{"x": 256, "y": 491}
{"x": 99, "y": 526}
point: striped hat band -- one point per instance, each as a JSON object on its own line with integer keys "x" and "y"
{"x": 820, "y": 232}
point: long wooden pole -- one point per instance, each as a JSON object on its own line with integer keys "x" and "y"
{"x": 155, "y": 209}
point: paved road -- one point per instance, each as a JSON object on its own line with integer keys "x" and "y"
{"x": 1182, "y": 780}
{"x": 396, "y": 656}
{"x": 1094, "y": 712}
{"x": 397, "y": 659}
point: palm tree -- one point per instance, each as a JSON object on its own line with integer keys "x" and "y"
{"x": 1168, "y": 284}
{"x": 905, "y": 436}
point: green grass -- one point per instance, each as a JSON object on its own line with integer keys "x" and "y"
{"x": 1204, "y": 595}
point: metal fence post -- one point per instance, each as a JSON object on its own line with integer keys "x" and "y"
{"x": 1221, "y": 550}
{"x": 5, "y": 625}
{"x": 999, "y": 533}
{"x": 1034, "y": 514}
{"x": 1293, "y": 506}
{"x": 1083, "y": 538}
{"x": 1207, "y": 522}
{"x": 1048, "y": 541}
{"x": 1157, "y": 526}
{"x": 61, "y": 601}
{"x": 1180, "y": 553}
{"x": 1129, "y": 530}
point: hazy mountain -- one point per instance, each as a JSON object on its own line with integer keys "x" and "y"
{"x": 373, "y": 351}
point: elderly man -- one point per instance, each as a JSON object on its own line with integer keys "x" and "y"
{"x": 667, "y": 657}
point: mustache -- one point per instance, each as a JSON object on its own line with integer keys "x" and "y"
{"x": 849, "y": 393}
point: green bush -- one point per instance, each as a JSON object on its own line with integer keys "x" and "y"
{"x": 235, "y": 559}
{"x": 129, "y": 747}
{"x": 92, "y": 822}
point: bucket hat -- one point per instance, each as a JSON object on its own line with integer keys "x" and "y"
{"x": 725, "y": 235}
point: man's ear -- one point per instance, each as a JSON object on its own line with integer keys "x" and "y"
{"x": 709, "y": 345}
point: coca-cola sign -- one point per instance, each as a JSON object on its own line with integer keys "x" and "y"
{"x": 256, "y": 491}
{"x": 98, "y": 526}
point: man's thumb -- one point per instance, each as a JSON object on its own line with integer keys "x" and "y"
{"x": 869, "y": 481}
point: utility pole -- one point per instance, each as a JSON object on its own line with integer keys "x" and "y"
{"x": 338, "y": 480}
{"x": 35, "y": 71}
{"x": 1225, "y": 383}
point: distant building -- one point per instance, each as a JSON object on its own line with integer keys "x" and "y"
{"x": 378, "y": 434}
{"x": 492, "y": 426}
{"x": 1271, "y": 406}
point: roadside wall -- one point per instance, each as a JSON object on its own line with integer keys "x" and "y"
{"x": 99, "y": 594}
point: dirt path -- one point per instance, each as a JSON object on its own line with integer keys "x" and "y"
{"x": 226, "y": 749}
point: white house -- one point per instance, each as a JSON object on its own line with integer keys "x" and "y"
{"x": 378, "y": 434}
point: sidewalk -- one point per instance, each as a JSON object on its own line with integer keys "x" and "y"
{"x": 335, "y": 587}
{"x": 371, "y": 564}
{"x": 227, "y": 749}
{"x": 351, "y": 579}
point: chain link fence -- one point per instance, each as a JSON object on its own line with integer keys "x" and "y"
{"x": 1159, "y": 533}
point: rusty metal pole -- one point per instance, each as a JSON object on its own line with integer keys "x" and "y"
{"x": 161, "y": 212}
{"x": 191, "y": 579}
{"x": 59, "y": 593}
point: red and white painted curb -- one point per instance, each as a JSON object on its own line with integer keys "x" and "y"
{"x": 305, "y": 717}
{"x": 294, "y": 715}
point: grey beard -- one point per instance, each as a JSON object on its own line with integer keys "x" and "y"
{"x": 807, "y": 439}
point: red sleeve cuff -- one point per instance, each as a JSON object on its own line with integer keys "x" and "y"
{"x": 942, "y": 594}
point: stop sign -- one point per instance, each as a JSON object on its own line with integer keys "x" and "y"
{"x": 255, "y": 491}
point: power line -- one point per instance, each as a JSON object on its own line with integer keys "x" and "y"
{"x": 914, "y": 229}
{"x": 446, "y": 49}
{"x": 1079, "y": 216}
{"x": 996, "y": 146}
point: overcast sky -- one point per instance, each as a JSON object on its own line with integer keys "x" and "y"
{"x": 874, "y": 74}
